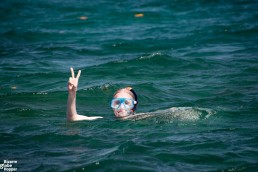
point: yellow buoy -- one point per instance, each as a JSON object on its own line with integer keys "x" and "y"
{"x": 139, "y": 15}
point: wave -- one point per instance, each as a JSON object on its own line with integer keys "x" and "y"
{"x": 175, "y": 113}
{"x": 157, "y": 59}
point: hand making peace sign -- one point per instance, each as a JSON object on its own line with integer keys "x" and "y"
{"x": 71, "y": 103}
{"x": 73, "y": 82}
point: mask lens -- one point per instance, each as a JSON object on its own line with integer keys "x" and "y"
{"x": 128, "y": 103}
{"x": 115, "y": 103}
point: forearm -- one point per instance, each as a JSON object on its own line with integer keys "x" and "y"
{"x": 71, "y": 112}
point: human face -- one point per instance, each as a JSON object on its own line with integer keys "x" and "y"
{"x": 122, "y": 111}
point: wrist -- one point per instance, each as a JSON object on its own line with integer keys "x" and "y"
{"x": 72, "y": 92}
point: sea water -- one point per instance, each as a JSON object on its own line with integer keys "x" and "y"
{"x": 193, "y": 64}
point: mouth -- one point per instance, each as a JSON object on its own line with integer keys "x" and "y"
{"x": 121, "y": 114}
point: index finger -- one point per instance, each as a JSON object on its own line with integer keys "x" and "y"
{"x": 79, "y": 74}
{"x": 72, "y": 72}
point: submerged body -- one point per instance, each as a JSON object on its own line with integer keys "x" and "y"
{"x": 174, "y": 113}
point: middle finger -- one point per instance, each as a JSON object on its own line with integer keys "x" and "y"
{"x": 72, "y": 72}
{"x": 79, "y": 74}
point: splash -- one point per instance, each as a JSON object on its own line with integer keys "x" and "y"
{"x": 176, "y": 113}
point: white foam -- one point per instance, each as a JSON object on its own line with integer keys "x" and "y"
{"x": 176, "y": 113}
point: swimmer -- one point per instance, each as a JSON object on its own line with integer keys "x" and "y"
{"x": 124, "y": 101}
{"x": 124, "y": 104}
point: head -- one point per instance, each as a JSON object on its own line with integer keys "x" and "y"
{"x": 124, "y": 102}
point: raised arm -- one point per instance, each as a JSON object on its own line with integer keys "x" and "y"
{"x": 71, "y": 112}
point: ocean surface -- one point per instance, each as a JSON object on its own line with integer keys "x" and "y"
{"x": 194, "y": 64}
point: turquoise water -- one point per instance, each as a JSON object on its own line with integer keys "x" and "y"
{"x": 196, "y": 54}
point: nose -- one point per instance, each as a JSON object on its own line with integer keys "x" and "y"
{"x": 121, "y": 107}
